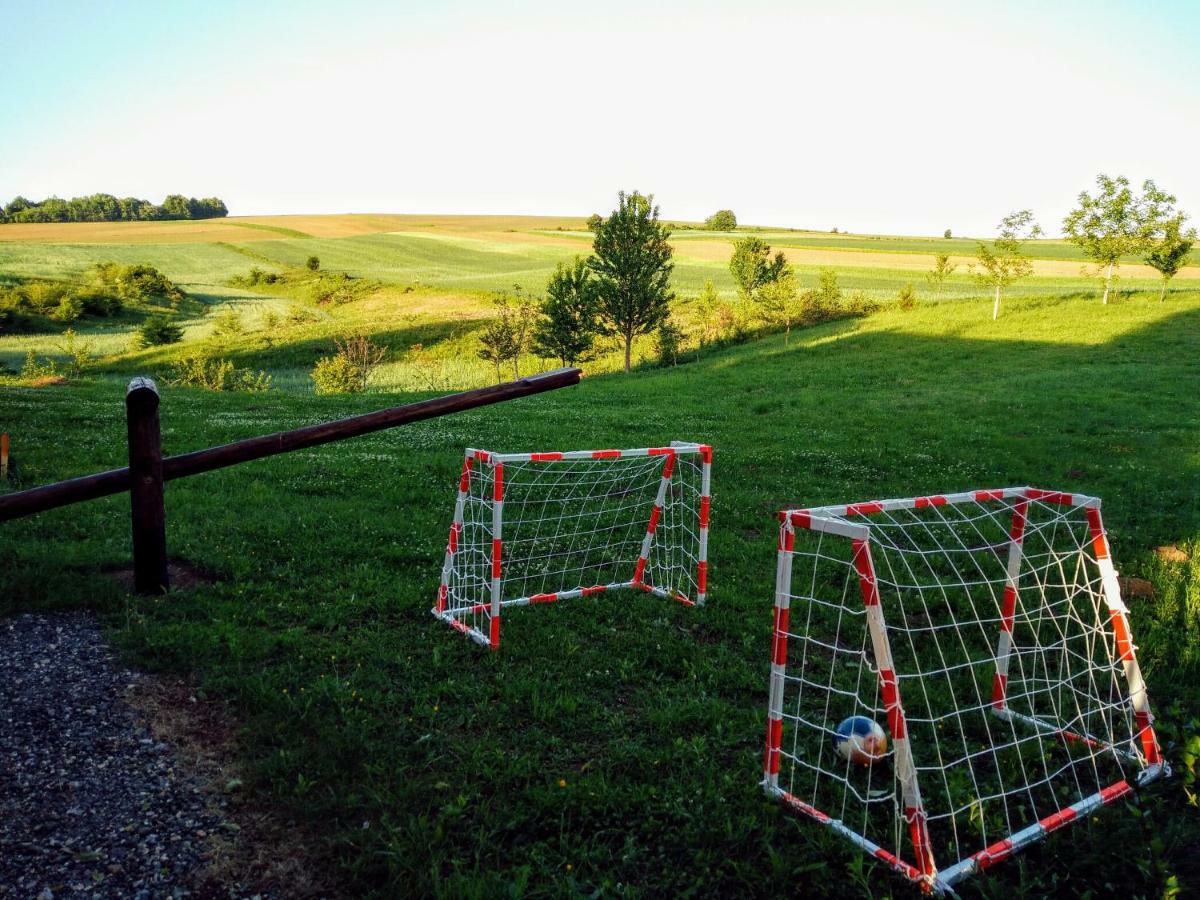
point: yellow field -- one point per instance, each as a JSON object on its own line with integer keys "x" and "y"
{"x": 718, "y": 250}
{"x": 256, "y": 228}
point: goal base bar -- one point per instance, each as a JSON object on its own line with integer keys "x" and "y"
{"x": 452, "y": 616}
{"x": 898, "y": 865}
{"x": 944, "y": 880}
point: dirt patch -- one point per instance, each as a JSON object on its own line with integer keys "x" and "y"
{"x": 261, "y": 849}
{"x": 1171, "y": 553}
{"x": 1137, "y": 587}
{"x": 182, "y": 575}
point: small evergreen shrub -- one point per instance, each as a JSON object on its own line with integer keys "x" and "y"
{"x": 156, "y": 331}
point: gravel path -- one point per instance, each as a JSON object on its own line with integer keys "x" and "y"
{"x": 90, "y": 804}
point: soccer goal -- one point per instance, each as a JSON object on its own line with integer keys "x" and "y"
{"x": 541, "y": 527}
{"x": 953, "y": 677}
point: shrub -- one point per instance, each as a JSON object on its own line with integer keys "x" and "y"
{"x": 312, "y": 264}
{"x": 69, "y": 309}
{"x": 336, "y": 375}
{"x": 348, "y": 370}
{"x": 213, "y": 374}
{"x": 136, "y": 284}
{"x": 907, "y": 298}
{"x": 338, "y": 288}
{"x": 228, "y": 323}
{"x": 38, "y": 370}
{"x": 157, "y": 330}
{"x": 78, "y": 353}
{"x": 270, "y": 320}
{"x": 668, "y": 341}
{"x": 98, "y": 303}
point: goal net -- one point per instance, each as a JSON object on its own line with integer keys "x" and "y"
{"x": 540, "y": 527}
{"x": 982, "y": 642}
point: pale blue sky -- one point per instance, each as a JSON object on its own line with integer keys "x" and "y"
{"x": 871, "y": 116}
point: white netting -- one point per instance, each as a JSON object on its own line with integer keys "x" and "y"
{"x": 991, "y": 755}
{"x": 573, "y": 524}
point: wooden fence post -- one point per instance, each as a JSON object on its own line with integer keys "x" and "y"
{"x": 146, "y": 488}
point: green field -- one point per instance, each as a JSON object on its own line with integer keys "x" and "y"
{"x": 613, "y": 746}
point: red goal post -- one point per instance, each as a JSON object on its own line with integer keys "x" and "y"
{"x": 532, "y": 528}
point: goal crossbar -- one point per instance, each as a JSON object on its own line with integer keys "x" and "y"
{"x": 974, "y": 555}
{"x": 533, "y": 528}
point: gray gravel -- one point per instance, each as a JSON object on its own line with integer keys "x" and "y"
{"x": 90, "y": 804}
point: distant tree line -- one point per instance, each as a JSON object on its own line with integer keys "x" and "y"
{"x": 107, "y": 208}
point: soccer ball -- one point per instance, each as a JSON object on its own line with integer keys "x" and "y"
{"x": 860, "y": 740}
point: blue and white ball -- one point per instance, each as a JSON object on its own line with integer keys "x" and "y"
{"x": 860, "y": 740}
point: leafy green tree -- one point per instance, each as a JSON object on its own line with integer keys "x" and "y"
{"x": 594, "y": 221}
{"x": 1117, "y": 221}
{"x": 1003, "y": 263}
{"x": 721, "y": 220}
{"x": 668, "y": 342}
{"x": 567, "y": 327}
{"x": 752, "y": 266}
{"x": 313, "y": 264}
{"x": 176, "y": 206}
{"x": 1170, "y": 252}
{"x": 942, "y": 269}
{"x": 946, "y": 234}
{"x": 632, "y": 264}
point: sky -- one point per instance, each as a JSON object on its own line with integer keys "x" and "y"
{"x": 885, "y": 117}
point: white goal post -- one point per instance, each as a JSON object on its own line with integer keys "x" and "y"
{"x": 533, "y": 528}
{"x": 985, "y": 633}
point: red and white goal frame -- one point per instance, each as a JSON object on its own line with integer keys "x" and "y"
{"x": 533, "y": 528}
{"x": 985, "y": 631}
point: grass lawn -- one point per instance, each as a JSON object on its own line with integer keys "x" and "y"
{"x": 614, "y": 744}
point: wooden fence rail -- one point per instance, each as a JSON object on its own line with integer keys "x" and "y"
{"x": 147, "y": 469}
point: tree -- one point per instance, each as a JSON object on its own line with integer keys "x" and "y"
{"x": 567, "y": 327}
{"x": 176, "y": 206}
{"x": 594, "y": 221}
{"x": 507, "y": 335}
{"x": 498, "y": 341}
{"x": 721, "y": 220}
{"x": 313, "y": 263}
{"x": 1003, "y": 263}
{"x": 752, "y": 266}
{"x": 946, "y": 234}
{"x": 1117, "y": 221}
{"x": 782, "y": 304}
{"x": 1170, "y": 252}
{"x": 942, "y": 269}
{"x": 632, "y": 264}
{"x": 708, "y": 309}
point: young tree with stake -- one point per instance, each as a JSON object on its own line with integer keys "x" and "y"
{"x": 1170, "y": 252}
{"x": 632, "y": 264}
{"x": 782, "y": 303}
{"x": 942, "y": 269}
{"x": 1117, "y": 221}
{"x": 1003, "y": 263}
